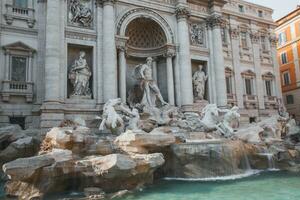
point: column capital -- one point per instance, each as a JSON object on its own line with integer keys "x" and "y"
{"x": 215, "y": 21}
{"x": 105, "y": 2}
{"x": 121, "y": 43}
{"x": 182, "y": 11}
{"x": 255, "y": 37}
{"x": 170, "y": 53}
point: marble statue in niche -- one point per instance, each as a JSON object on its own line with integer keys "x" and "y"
{"x": 197, "y": 33}
{"x": 151, "y": 93}
{"x": 199, "y": 82}
{"x": 79, "y": 77}
{"x": 80, "y": 13}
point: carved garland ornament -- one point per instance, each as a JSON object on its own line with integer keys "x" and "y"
{"x": 197, "y": 34}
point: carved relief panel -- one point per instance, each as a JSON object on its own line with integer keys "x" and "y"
{"x": 198, "y": 34}
{"x": 80, "y": 13}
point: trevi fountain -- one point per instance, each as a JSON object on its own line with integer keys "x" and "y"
{"x": 152, "y": 150}
{"x": 143, "y": 100}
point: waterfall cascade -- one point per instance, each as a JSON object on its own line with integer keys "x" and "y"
{"x": 271, "y": 162}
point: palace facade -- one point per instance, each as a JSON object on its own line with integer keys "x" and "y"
{"x": 288, "y": 33}
{"x": 65, "y": 58}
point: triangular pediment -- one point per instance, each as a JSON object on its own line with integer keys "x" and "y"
{"x": 19, "y": 46}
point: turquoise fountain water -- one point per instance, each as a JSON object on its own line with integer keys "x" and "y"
{"x": 263, "y": 186}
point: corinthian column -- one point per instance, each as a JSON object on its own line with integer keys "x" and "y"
{"x": 52, "y": 53}
{"x": 214, "y": 23}
{"x": 186, "y": 85}
{"x": 121, "y": 46}
{"x": 170, "y": 75}
{"x": 110, "y": 74}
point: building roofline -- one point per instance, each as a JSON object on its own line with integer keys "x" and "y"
{"x": 285, "y": 16}
{"x": 257, "y": 5}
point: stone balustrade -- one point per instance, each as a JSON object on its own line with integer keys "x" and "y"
{"x": 231, "y": 100}
{"x": 271, "y": 102}
{"x": 251, "y": 101}
{"x": 18, "y": 13}
{"x": 16, "y": 88}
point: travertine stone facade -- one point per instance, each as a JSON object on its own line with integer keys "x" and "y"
{"x": 40, "y": 42}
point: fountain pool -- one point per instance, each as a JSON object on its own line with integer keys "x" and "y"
{"x": 265, "y": 185}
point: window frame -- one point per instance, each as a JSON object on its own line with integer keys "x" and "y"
{"x": 284, "y": 60}
{"x": 282, "y": 38}
{"x": 20, "y": 5}
{"x": 260, "y": 13}
{"x": 269, "y": 91}
{"x": 11, "y": 67}
{"x": 251, "y": 91}
{"x": 244, "y": 42}
{"x": 241, "y": 8}
{"x": 284, "y": 80}
{"x": 290, "y": 101}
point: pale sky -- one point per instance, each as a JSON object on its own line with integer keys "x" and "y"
{"x": 280, "y": 7}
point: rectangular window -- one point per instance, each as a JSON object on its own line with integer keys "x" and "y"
{"x": 229, "y": 84}
{"x": 289, "y": 99}
{"x": 241, "y": 8}
{"x": 223, "y": 34}
{"x": 260, "y": 13}
{"x": 284, "y": 59}
{"x": 286, "y": 78}
{"x": 268, "y": 87}
{"x": 263, "y": 43}
{"x": 18, "y": 68}
{"x": 248, "y": 85}
{"x": 282, "y": 38}
{"x": 21, "y": 3}
{"x": 244, "y": 39}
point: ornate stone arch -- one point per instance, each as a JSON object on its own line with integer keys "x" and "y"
{"x": 135, "y": 13}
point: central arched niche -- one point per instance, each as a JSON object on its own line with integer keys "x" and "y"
{"x": 146, "y": 38}
{"x": 145, "y": 33}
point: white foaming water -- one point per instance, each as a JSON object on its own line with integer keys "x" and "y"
{"x": 271, "y": 162}
{"x": 218, "y": 178}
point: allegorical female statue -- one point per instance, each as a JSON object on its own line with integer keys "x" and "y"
{"x": 199, "y": 81}
{"x": 79, "y": 76}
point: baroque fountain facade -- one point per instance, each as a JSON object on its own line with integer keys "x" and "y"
{"x": 120, "y": 93}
